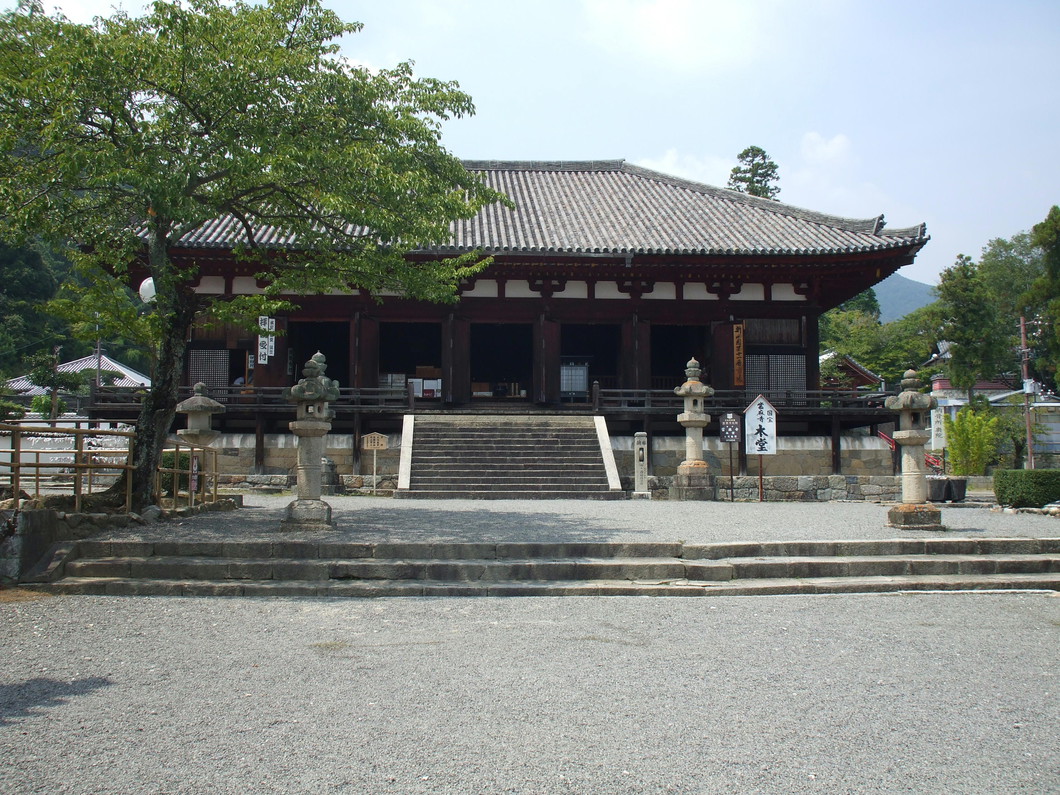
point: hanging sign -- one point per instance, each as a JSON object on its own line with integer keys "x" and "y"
{"x": 760, "y": 427}
{"x": 267, "y": 341}
{"x": 737, "y": 355}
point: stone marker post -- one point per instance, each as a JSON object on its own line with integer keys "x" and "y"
{"x": 693, "y": 480}
{"x": 312, "y": 423}
{"x": 640, "y": 466}
{"x": 913, "y": 409}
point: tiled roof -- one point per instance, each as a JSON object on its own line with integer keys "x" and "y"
{"x": 129, "y": 377}
{"x": 612, "y": 207}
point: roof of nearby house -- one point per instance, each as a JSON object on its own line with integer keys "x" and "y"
{"x": 612, "y": 207}
{"x": 852, "y": 364}
{"x": 129, "y": 377}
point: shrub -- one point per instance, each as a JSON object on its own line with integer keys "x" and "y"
{"x": 169, "y": 462}
{"x": 10, "y": 410}
{"x": 1027, "y": 488}
{"x": 972, "y": 440}
{"x": 42, "y": 404}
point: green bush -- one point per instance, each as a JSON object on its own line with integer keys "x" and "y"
{"x": 972, "y": 440}
{"x": 1027, "y": 488}
{"x": 10, "y": 410}
{"x": 42, "y": 404}
{"x": 168, "y": 463}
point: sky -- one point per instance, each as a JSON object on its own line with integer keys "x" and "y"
{"x": 925, "y": 111}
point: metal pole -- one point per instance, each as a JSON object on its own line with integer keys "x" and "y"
{"x": 760, "y": 497}
{"x": 732, "y": 477}
{"x": 1028, "y": 421}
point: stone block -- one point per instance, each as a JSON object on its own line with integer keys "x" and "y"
{"x": 915, "y": 517}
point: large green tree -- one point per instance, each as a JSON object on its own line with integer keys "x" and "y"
{"x": 981, "y": 343}
{"x": 125, "y": 135}
{"x": 1044, "y": 297}
{"x": 755, "y": 174}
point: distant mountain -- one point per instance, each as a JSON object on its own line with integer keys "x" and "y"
{"x": 898, "y": 296}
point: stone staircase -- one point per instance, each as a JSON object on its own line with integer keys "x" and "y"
{"x": 507, "y": 457}
{"x": 354, "y": 569}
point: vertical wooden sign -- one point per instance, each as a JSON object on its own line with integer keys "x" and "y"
{"x": 737, "y": 355}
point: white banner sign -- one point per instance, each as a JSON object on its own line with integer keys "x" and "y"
{"x": 760, "y": 427}
{"x": 267, "y": 342}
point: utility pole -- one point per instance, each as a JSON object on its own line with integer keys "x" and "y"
{"x": 1025, "y": 355}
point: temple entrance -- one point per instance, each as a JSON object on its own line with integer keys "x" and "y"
{"x": 502, "y": 360}
{"x": 590, "y": 348}
{"x": 672, "y": 347}
{"x": 331, "y": 338}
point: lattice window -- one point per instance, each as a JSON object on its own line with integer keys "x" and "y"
{"x": 210, "y": 367}
{"x": 775, "y": 374}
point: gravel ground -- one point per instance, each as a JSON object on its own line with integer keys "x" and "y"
{"x": 925, "y": 693}
{"x": 381, "y": 519}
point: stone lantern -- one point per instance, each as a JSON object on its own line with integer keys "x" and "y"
{"x": 199, "y": 407}
{"x": 914, "y": 409}
{"x": 312, "y": 422}
{"x": 693, "y": 481}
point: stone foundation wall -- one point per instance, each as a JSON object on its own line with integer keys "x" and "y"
{"x": 802, "y": 488}
{"x": 866, "y": 466}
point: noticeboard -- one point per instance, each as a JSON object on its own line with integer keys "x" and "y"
{"x": 374, "y": 441}
{"x": 730, "y": 428}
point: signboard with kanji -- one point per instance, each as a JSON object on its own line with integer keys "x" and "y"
{"x": 737, "y": 355}
{"x": 760, "y": 427}
{"x": 266, "y": 341}
{"x": 374, "y": 441}
{"x": 730, "y": 428}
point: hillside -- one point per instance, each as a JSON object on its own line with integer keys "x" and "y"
{"x": 898, "y": 296}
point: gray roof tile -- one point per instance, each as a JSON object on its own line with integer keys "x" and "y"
{"x": 610, "y": 206}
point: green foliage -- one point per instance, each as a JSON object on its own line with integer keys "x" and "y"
{"x": 865, "y": 301}
{"x": 981, "y": 343}
{"x": 9, "y": 410}
{"x": 887, "y": 349}
{"x": 47, "y": 406}
{"x": 124, "y": 136}
{"x": 755, "y": 174}
{"x": 173, "y": 466}
{"x": 972, "y": 441}
{"x": 1027, "y": 488}
{"x": 27, "y": 281}
{"x": 1043, "y": 299}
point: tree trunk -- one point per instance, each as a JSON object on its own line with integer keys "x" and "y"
{"x": 175, "y": 305}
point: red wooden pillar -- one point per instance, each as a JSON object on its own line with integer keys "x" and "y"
{"x": 456, "y": 360}
{"x": 546, "y": 360}
{"x": 365, "y": 351}
{"x": 634, "y": 367}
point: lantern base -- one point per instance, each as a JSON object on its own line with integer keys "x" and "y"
{"x": 915, "y": 517}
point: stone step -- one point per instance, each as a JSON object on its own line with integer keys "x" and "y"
{"x": 122, "y": 586}
{"x": 530, "y": 480}
{"x": 545, "y": 492}
{"x": 629, "y": 568}
{"x": 488, "y": 550}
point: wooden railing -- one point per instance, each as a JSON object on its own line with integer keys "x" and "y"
{"x": 90, "y": 468}
{"x": 76, "y": 465}
{"x": 661, "y": 401}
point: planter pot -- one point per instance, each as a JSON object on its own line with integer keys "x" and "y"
{"x": 956, "y": 489}
{"x": 937, "y": 489}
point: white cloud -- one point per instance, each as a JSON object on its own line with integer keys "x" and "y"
{"x": 834, "y": 152}
{"x": 84, "y": 11}
{"x": 682, "y": 34}
{"x": 709, "y": 169}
